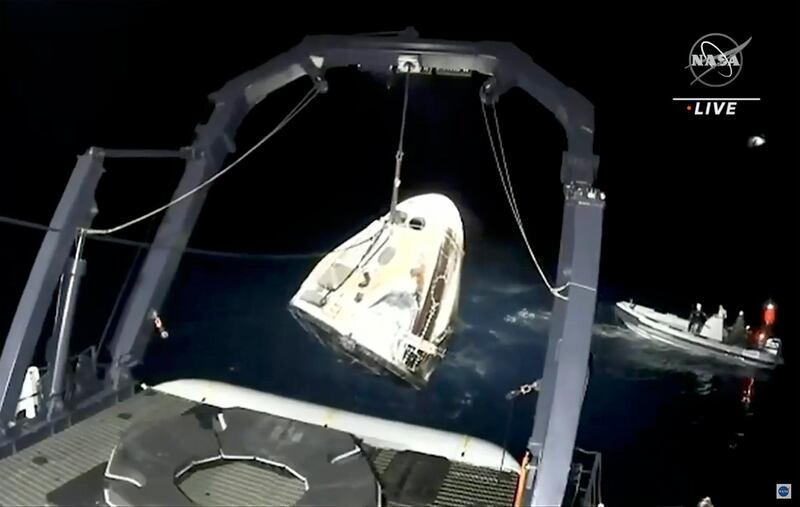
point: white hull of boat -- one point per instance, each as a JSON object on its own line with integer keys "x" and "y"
{"x": 672, "y": 330}
{"x": 388, "y": 296}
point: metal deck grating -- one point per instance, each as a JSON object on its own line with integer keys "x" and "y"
{"x": 240, "y": 483}
{"x": 28, "y": 476}
{"x": 464, "y": 484}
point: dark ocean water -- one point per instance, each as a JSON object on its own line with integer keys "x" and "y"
{"x": 672, "y": 427}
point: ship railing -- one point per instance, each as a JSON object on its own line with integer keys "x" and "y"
{"x": 588, "y": 490}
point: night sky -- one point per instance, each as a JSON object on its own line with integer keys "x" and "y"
{"x": 693, "y": 214}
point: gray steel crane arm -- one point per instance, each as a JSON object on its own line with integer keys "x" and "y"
{"x": 558, "y": 408}
{"x": 507, "y": 64}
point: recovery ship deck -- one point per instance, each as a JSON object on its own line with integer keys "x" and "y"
{"x": 68, "y": 468}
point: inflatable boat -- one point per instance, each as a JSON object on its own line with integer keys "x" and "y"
{"x": 674, "y": 330}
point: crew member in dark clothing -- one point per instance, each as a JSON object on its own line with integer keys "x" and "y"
{"x": 696, "y": 319}
{"x": 738, "y": 332}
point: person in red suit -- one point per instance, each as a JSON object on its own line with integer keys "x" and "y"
{"x": 760, "y": 335}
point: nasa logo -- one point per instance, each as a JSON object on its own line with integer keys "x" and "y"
{"x": 783, "y": 491}
{"x": 716, "y": 59}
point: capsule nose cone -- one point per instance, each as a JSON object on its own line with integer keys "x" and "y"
{"x": 434, "y": 206}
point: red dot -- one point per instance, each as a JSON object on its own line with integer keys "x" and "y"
{"x": 689, "y": 108}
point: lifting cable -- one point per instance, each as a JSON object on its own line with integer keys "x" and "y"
{"x": 299, "y": 107}
{"x": 190, "y": 250}
{"x": 505, "y": 180}
{"x": 104, "y": 234}
{"x": 398, "y": 158}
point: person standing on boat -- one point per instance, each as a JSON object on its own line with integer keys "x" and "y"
{"x": 696, "y": 319}
{"x": 769, "y": 315}
{"x": 738, "y": 334}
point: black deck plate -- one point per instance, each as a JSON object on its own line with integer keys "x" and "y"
{"x": 413, "y": 478}
{"x": 84, "y": 490}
